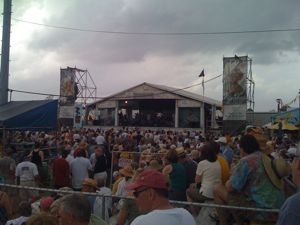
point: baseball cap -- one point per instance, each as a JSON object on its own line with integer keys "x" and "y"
{"x": 149, "y": 178}
{"x": 46, "y": 202}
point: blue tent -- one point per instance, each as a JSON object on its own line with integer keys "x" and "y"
{"x": 29, "y": 115}
{"x": 292, "y": 116}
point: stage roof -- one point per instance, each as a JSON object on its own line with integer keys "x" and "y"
{"x": 167, "y": 89}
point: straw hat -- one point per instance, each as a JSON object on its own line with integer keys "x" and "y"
{"x": 276, "y": 169}
{"x": 146, "y": 151}
{"x": 154, "y": 164}
{"x": 90, "y": 182}
{"x": 163, "y": 151}
{"x": 127, "y": 171}
{"x": 180, "y": 151}
{"x": 61, "y": 193}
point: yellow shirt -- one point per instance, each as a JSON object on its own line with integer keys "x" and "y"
{"x": 115, "y": 185}
{"x": 225, "y": 170}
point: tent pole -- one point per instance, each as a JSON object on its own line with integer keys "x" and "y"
{"x": 3, "y": 140}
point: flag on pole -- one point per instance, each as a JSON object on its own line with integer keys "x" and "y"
{"x": 202, "y": 73}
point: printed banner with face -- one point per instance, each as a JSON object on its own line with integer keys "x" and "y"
{"x": 235, "y": 80}
{"x": 67, "y": 86}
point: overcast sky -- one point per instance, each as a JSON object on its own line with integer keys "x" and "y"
{"x": 117, "y": 62}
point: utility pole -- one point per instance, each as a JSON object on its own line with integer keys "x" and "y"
{"x": 299, "y": 120}
{"x": 4, "y": 73}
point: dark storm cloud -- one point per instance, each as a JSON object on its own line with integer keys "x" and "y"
{"x": 125, "y": 60}
{"x": 169, "y": 16}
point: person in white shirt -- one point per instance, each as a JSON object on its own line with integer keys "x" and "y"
{"x": 98, "y": 202}
{"x": 100, "y": 140}
{"x": 27, "y": 175}
{"x": 151, "y": 195}
{"x": 80, "y": 169}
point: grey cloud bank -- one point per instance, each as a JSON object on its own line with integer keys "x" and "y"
{"x": 117, "y": 61}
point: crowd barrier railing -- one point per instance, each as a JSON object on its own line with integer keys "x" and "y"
{"x": 182, "y": 203}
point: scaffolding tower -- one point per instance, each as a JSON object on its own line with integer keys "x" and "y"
{"x": 250, "y": 93}
{"x": 85, "y": 85}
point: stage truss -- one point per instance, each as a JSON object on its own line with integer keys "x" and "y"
{"x": 250, "y": 92}
{"x": 86, "y": 88}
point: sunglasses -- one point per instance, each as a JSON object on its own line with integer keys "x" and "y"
{"x": 137, "y": 193}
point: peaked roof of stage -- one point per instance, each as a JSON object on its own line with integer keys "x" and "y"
{"x": 172, "y": 90}
{"x": 39, "y": 114}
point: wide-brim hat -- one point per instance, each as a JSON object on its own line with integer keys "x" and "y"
{"x": 146, "y": 151}
{"x": 180, "y": 152}
{"x": 276, "y": 170}
{"x": 90, "y": 182}
{"x": 62, "y": 189}
{"x": 163, "y": 151}
{"x": 127, "y": 171}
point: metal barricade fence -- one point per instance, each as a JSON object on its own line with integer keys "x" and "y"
{"x": 120, "y": 197}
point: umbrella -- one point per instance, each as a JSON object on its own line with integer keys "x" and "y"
{"x": 285, "y": 126}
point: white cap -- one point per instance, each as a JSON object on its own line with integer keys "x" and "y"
{"x": 222, "y": 140}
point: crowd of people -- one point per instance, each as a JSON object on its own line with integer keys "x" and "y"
{"x": 139, "y": 171}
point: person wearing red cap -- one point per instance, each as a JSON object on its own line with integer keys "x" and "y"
{"x": 45, "y": 204}
{"x": 150, "y": 191}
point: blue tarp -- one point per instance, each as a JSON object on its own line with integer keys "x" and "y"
{"x": 29, "y": 115}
